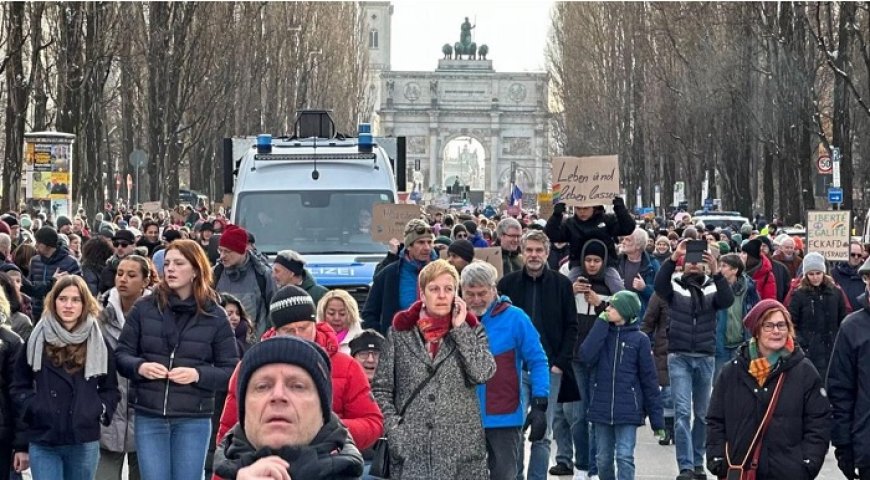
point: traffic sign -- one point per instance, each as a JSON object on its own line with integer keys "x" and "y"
{"x": 138, "y": 158}
{"x": 835, "y": 195}
{"x": 824, "y": 165}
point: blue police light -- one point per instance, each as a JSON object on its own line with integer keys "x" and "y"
{"x": 365, "y": 141}
{"x": 264, "y": 143}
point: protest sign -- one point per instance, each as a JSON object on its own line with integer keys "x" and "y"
{"x": 545, "y": 205}
{"x": 389, "y": 220}
{"x": 492, "y": 256}
{"x": 152, "y": 207}
{"x": 585, "y": 181}
{"x": 828, "y": 234}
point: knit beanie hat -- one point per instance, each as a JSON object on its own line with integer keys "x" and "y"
{"x": 627, "y": 303}
{"x": 417, "y": 229}
{"x": 752, "y": 320}
{"x": 62, "y": 221}
{"x": 10, "y": 220}
{"x": 471, "y": 226}
{"x": 753, "y": 248}
{"x": 596, "y": 248}
{"x": 235, "y": 238}
{"x": 443, "y": 240}
{"x": 291, "y": 351}
{"x": 463, "y": 249}
{"x": 291, "y": 304}
{"x": 746, "y": 229}
{"x": 367, "y": 340}
{"x": 814, "y": 262}
{"x": 26, "y": 222}
{"x": 46, "y": 236}
{"x": 724, "y": 248}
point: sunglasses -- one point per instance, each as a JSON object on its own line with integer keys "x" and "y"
{"x": 420, "y": 230}
{"x": 121, "y": 244}
{"x": 461, "y": 235}
{"x": 856, "y": 255}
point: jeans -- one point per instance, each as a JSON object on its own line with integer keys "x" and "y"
{"x": 566, "y": 434}
{"x": 502, "y": 447}
{"x": 171, "y": 448}
{"x": 584, "y": 438}
{"x": 691, "y": 385}
{"x": 618, "y": 441}
{"x": 539, "y": 458}
{"x": 64, "y": 462}
{"x": 667, "y": 401}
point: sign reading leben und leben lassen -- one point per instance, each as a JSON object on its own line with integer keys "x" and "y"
{"x": 828, "y": 234}
{"x": 585, "y": 181}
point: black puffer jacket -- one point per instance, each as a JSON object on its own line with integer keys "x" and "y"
{"x": 41, "y": 276}
{"x": 602, "y": 226}
{"x": 849, "y": 385}
{"x": 10, "y": 426}
{"x": 817, "y": 313}
{"x": 796, "y": 442}
{"x": 176, "y": 336}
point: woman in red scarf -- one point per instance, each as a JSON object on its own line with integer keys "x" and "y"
{"x": 436, "y": 353}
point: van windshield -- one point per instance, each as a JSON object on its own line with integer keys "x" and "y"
{"x": 313, "y": 222}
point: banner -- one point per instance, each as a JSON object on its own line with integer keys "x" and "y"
{"x": 585, "y": 181}
{"x": 389, "y": 220}
{"x": 828, "y": 234}
{"x": 48, "y": 172}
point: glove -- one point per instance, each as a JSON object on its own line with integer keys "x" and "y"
{"x": 717, "y": 467}
{"x": 661, "y": 434}
{"x": 537, "y": 419}
{"x": 846, "y": 462}
{"x": 559, "y": 209}
{"x": 618, "y": 202}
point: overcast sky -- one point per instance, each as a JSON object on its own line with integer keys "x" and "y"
{"x": 515, "y": 32}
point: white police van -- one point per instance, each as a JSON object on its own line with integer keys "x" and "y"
{"x": 313, "y": 193}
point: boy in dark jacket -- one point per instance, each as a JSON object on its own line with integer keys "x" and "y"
{"x": 619, "y": 357}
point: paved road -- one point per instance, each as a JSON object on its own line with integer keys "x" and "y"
{"x": 655, "y": 462}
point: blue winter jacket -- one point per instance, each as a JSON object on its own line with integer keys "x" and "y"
{"x": 513, "y": 341}
{"x": 625, "y": 386}
{"x": 649, "y": 267}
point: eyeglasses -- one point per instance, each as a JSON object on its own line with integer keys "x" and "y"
{"x": 120, "y": 244}
{"x": 769, "y": 327}
{"x": 368, "y": 353}
{"x": 856, "y": 255}
{"x": 511, "y": 236}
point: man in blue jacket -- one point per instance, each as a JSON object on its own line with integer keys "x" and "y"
{"x": 514, "y": 342}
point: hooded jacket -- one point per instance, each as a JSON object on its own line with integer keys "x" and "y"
{"x": 604, "y": 227}
{"x": 331, "y": 455}
{"x": 351, "y": 394}
{"x": 848, "y": 385}
{"x": 313, "y": 288}
{"x": 765, "y": 281}
{"x": 514, "y": 342}
{"x": 625, "y": 386}
{"x": 796, "y": 442}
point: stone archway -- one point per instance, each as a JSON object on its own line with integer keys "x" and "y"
{"x": 463, "y": 158}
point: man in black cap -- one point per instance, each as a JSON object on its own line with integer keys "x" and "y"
{"x": 366, "y": 349}
{"x": 208, "y": 242}
{"x": 64, "y": 225}
{"x": 286, "y": 426}
{"x": 124, "y": 243}
{"x": 460, "y": 253}
{"x": 51, "y": 262}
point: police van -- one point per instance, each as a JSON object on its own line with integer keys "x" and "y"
{"x": 313, "y": 193}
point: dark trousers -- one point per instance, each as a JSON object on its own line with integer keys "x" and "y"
{"x": 502, "y": 447}
{"x": 112, "y": 465}
{"x": 5, "y": 460}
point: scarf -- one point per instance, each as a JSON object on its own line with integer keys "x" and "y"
{"x": 760, "y": 367}
{"x": 49, "y": 330}
{"x": 433, "y": 329}
{"x": 176, "y": 317}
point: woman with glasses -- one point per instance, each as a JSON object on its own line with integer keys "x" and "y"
{"x": 177, "y": 349}
{"x": 65, "y": 385}
{"x": 795, "y": 444}
{"x": 817, "y": 307}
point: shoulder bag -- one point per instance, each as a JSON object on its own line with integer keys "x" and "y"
{"x": 742, "y": 471}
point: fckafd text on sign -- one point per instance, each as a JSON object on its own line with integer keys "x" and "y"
{"x": 828, "y": 234}
{"x": 585, "y": 181}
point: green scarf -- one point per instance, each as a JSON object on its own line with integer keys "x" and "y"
{"x": 760, "y": 367}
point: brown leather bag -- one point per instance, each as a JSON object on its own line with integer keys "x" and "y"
{"x": 741, "y": 471}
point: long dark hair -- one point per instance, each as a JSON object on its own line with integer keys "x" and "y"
{"x": 227, "y": 299}
{"x": 95, "y": 252}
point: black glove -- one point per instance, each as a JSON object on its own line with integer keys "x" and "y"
{"x": 846, "y": 461}
{"x": 717, "y": 467}
{"x": 618, "y": 202}
{"x": 559, "y": 209}
{"x": 537, "y": 419}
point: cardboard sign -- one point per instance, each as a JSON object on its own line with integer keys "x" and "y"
{"x": 152, "y": 207}
{"x": 585, "y": 181}
{"x": 389, "y": 220}
{"x": 828, "y": 234}
{"x": 492, "y": 256}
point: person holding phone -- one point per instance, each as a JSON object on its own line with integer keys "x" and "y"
{"x": 426, "y": 383}
{"x": 693, "y": 298}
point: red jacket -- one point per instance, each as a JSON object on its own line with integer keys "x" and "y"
{"x": 352, "y": 398}
{"x": 765, "y": 282}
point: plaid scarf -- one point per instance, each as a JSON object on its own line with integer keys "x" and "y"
{"x": 760, "y": 367}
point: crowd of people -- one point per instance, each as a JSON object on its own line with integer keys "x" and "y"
{"x": 167, "y": 344}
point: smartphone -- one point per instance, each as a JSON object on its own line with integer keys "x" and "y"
{"x": 582, "y": 279}
{"x": 695, "y": 251}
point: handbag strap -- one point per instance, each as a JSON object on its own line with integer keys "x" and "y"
{"x": 419, "y": 389}
{"x": 759, "y": 434}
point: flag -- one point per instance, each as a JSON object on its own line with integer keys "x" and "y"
{"x": 516, "y": 197}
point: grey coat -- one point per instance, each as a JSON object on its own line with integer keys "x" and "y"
{"x": 118, "y": 436}
{"x": 441, "y": 435}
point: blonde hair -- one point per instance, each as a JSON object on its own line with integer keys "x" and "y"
{"x": 434, "y": 270}
{"x": 349, "y": 303}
